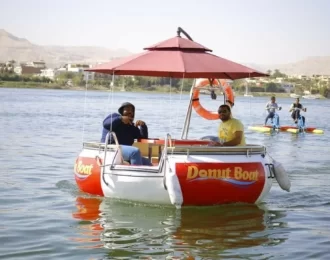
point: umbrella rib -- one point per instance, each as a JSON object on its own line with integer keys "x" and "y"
{"x": 228, "y": 76}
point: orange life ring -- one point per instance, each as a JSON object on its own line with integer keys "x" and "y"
{"x": 200, "y": 83}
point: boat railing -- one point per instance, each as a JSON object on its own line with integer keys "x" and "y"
{"x": 106, "y": 147}
{"x": 169, "y": 147}
{"x": 103, "y": 146}
{"x": 99, "y": 146}
{"x": 168, "y": 139}
{"x": 250, "y": 148}
{"x": 109, "y": 134}
{"x": 214, "y": 150}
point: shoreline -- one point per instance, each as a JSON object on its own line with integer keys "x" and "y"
{"x": 52, "y": 86}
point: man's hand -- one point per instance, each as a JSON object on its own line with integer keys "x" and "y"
{"x": 214, "y": 143}
{"x": 127, "y": 120}
{"x": 139, "y": 123}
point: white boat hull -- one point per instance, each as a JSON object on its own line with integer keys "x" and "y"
{"x": 184, "y": 176}
{"x": 122, "y": 185}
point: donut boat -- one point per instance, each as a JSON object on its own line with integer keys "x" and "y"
{"x": 185, "y": 172}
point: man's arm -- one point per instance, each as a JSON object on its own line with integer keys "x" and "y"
{"x": 236, "y": 141}
{"x": 291, "y": 108}
{"x": 142, "y": 130}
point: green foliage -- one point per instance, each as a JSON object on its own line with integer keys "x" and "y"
{"x": 274, "y": 87}
{"x": 257, "y": 89}
{"x": 325, "y": 91}
{"x": 298, "y": 89}
{"x": 314, "y": 91}
{"x": 278, "y": 74}
{"x": 66, "y": 75}
{"x": 75, "y": 78}
{"x": 187, "y": 84}
{"x": 6, "y": 70}
{"x": 271, "y": 87}
{"x": 103, "y": 81}
{"x": 23, "y": 78}
{"x": 239, "y": 84}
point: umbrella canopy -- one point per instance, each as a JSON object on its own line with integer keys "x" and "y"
{"x": 178, "y": 58}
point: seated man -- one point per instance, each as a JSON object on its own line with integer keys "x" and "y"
{"x": 126, "y": 131}
{"x": 271, "y": 107}
{"x": 295, "y": 109}
{"x": 231, "y": 130}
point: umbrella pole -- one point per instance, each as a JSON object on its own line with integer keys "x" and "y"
{"x": 224, "y": 96}
{"x": 185, "y": 130}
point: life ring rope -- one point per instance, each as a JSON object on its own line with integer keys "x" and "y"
{"x": 202, "y": 83}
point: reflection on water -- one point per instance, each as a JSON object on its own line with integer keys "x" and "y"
{"x": 125, "y": 230}
{"x": 88, "y": 211}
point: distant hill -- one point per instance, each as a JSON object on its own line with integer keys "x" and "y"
{"x": 21, "y": 50}
{"x": 308, "y": 67}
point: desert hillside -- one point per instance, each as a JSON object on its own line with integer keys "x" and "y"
{"x": 21, "y": 50}
{"x": 309, "y": 66}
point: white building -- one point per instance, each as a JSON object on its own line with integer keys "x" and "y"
{"x": 48, "y": 73}
{"x": 303, "y": 77}
{"x": 279, "y": 80}
{"x": 71, "y": 67}
{"x": 287, "y": 86}
{"x": 18, "y": 70}
{"x": 251, "y": 80}
{"x": 36, "y": 64}
{"x": 77, "y": 68}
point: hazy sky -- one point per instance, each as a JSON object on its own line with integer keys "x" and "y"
{"x": 249, "y": 31}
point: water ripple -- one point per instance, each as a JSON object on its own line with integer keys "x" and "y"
{"x": 44, "y": 215}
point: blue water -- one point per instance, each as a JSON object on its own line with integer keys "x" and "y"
{"x": 43, "y": 215}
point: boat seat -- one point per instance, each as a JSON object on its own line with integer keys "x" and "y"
{"x": 155, "y": 150}
{"x": 143, "y": 147}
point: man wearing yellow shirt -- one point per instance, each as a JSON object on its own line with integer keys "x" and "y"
{"x": 231, "y": 130}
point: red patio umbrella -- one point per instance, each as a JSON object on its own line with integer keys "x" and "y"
{"x": 178, "y": 58}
